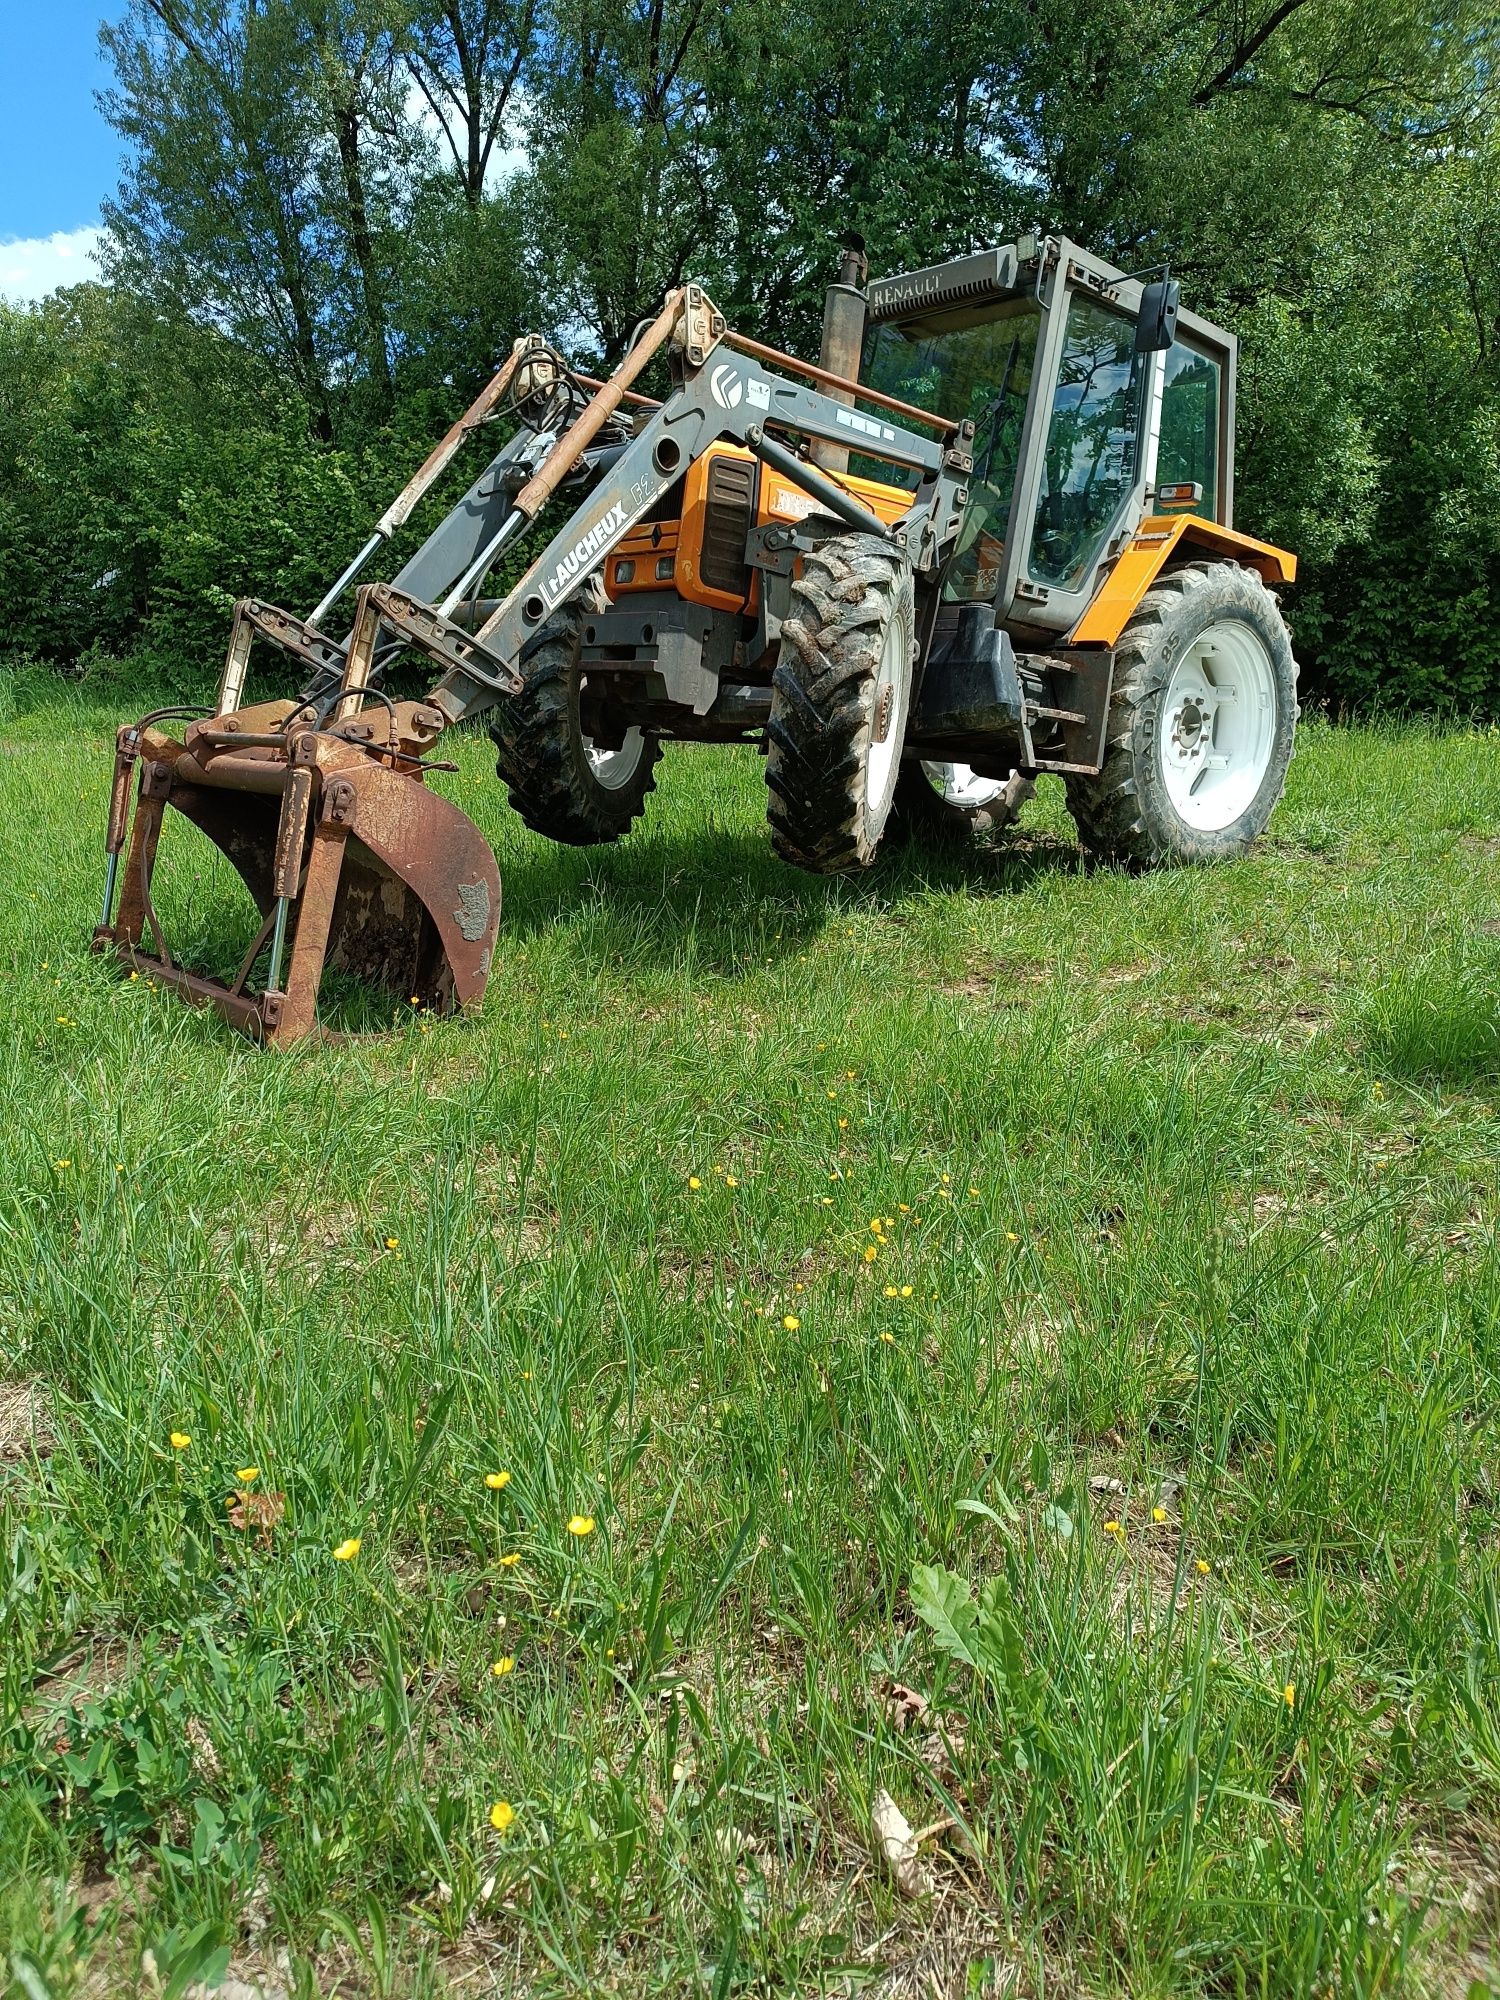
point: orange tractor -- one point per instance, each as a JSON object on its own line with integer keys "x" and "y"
{"x": 989, "y": 535}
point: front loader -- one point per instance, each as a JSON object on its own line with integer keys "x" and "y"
{"x": 988, "y": 536}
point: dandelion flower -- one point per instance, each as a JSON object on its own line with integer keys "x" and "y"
{"x": 501, "y": 1815}
{"x": 791, "y": 1322}
{"x": 1158, "y": 1513}
{"x": 347, "y": 1550}
{"x": 510, "y": 1561}
{"x": 248, "y": 1474}
{"x": 500, "y": 1668}
{"x": 694, "y": 1182}
{"x": 497, "y": 1481}
{"x": 1114, "y": 1528}
{"x": 581, "y": 1524}
{"x": 1202, "y": 1567}
{"x": 1289, "y": 1695}
{"x": 181, "y": 1440}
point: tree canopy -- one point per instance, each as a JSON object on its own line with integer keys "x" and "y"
{"x": 336, "y": 214}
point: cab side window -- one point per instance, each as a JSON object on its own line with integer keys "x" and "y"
{"x": 1093, "y": 443}
{"x": 1189, "y": 448}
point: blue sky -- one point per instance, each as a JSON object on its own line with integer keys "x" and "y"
{"x": 58, "y": 158}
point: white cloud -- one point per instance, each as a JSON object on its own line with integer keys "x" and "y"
{"x": 32, "y": 266}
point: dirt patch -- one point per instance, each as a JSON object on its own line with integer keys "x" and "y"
{"x": 25, "y": 1422}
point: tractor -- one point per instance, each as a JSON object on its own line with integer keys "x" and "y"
{"x": 988, "y": 535}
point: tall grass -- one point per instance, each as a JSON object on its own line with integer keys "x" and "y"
{"x": 1121, "y": 1251}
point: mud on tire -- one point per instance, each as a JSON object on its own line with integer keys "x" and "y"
{"x": 557, "y": 782}
{"x": 839, "y": 702}
{"x": 1201, "y": 723}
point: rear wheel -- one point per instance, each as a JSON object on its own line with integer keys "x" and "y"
{"x": 839, "y": 703}
{"x": 953, "y": 802}
{"x": 1200, "y": 727}
{"x": 561, "y": 782}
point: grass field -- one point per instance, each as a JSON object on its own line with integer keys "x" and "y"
{"x": 1070, "y": 1301}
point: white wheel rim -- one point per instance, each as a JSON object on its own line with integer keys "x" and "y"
{"x": 892, "y": 685}
{"x": 614, "y": 769}
{"x": 962, "y": 786}
{"x": 1218, "y": 725}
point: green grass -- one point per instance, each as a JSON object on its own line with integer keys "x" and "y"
{"x": 1185, "y": 1183}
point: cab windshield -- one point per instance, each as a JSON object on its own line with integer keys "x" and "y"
{"x": 980, "y": 370}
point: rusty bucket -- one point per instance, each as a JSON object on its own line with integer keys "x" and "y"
{"x": 352, "y": 860}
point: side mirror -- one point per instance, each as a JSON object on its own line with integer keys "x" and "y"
{"x": 1156, "y": 323}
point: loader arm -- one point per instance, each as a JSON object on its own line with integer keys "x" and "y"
{"x": 736, "y": 400}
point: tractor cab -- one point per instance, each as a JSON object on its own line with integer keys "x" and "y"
{"x": 1082, "y": 425}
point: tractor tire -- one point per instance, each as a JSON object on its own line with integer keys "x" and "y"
{"x": 951, "y": 802}
{"x": 1201, "y": 724}
{"x": 559, "y": 783}
{"x": 840, "y": 697}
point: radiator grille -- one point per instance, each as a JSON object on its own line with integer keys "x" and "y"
{"x": 728, "y": 516}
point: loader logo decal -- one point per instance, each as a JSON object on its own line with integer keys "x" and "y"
{"x": 728, "y": 387}
{"x": 473, "y": 913}
{"x": 577, "y": 560}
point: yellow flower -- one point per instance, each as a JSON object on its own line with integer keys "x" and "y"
{"x": 1011, "y": 1236}
{"x": 392, "y": 1242}
{"x": 497, "y": 1481}
{"x": 730, "y": 1181}
{"x": 906, "y": 1291}
{"x": 1158, "y": 1513}
{"x": 1114, "y": 1528}
{"x": 62, "y": 1166}
{"x": 510, "y": 1561}
{"x": 1289, "y": 1695}
{"x": 501, "y": 1815}
{"x": 890, "y": 1337}
{"x": 500, "y": 1668}
{"x": 1202, "y": 1567}
{"x": 347, "y": 1550}
{"x": 973, "y": 1190}
{"x": 843, "y": 1124}
{"x": 876, "y": 1224}
{"x": 904, "y": 1206}
{"x": 872, "y": 1251}
{"x": 181, "y": 1440}
{"x": 248, "y": 1474}
{"x": 791, "y": 1322}
{"x": 694, "y": 1182}
{"x": 581, "y": 1524}
{"x": 891, "y": 1292}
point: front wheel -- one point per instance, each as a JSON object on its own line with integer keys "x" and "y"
{"x": 839, "y": 703}
{"x": 1201, "y": 722}
{"x": 561, "y": 782}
